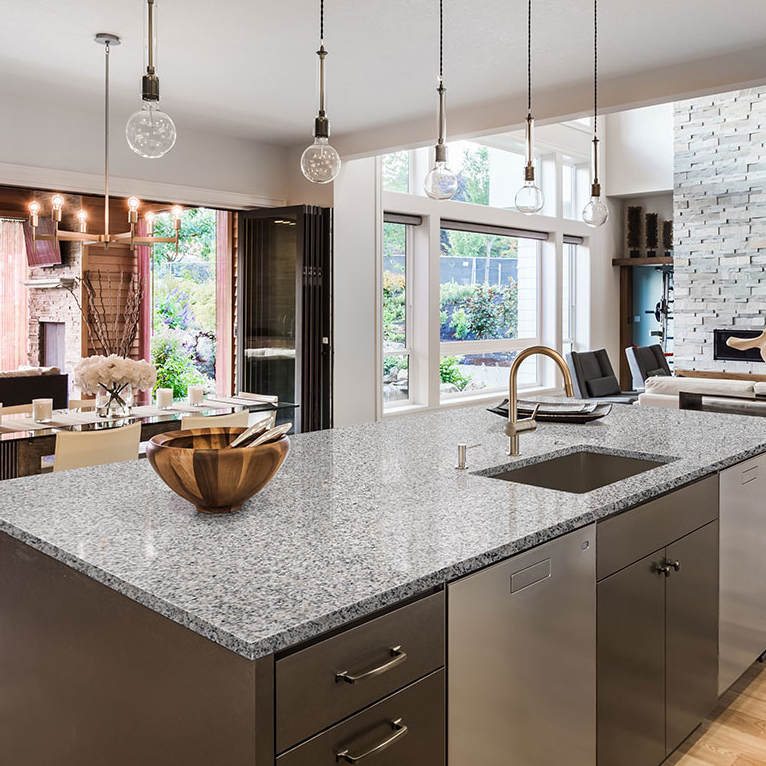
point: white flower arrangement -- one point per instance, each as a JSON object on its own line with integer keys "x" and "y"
{"x": 113, "y": 373}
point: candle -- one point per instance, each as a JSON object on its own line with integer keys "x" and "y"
{"x": 42, "y": 410}
{"x": 196, "y": 394}
{"x": 164, "y": 398}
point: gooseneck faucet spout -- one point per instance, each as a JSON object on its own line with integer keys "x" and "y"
{"x": 514, "y": 426}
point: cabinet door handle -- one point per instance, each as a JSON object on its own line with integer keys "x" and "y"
{"x": 400, "y": 730}
{"x": 676, "y": 565}
{"x": 397, "y": 658}
{"x": 664, "y": 569}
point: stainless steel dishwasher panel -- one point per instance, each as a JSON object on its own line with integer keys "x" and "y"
{"x": 521, "y": 670}
{"x": 742, "y": 605}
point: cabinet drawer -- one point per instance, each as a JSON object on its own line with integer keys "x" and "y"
{"x": 405, "y": 729}
{"x": 328, "y": 681}
{"x": 640, "y": 531}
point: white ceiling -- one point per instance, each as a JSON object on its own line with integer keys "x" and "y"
{"x": 247, "y": 68}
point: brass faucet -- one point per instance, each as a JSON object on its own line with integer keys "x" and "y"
{"x": 514, "y": 426}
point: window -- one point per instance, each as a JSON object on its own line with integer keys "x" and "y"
{"x": 184, "y": 301}
{"x": 396, "y": 312}
{"x": 568, "y": 292}
{"x": 488, "y": 304}
{"x": 396, "y": 172}
{"x": 575, "y": 191}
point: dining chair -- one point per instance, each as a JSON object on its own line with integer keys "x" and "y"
{"x": 79, "y": 449}
{"x": 234, "y": 420}
{"x": 260, "y": 397}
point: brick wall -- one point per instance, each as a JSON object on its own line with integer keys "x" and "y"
{"x": 57, "y": 304}
{"x": 720, "y": 223}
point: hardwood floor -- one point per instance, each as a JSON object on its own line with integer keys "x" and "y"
{"x": 734, "y": 734}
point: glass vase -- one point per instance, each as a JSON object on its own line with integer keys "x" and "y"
{"x": 114, "y": 402}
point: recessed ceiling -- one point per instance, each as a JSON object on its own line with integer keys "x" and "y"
{"x": 247, "y": 69}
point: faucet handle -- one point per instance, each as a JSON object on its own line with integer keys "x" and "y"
{"x": 462, "y": 449}
{"x": 534, "y": 411}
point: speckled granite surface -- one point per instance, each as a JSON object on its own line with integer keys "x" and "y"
{"x": 357, "y": 519}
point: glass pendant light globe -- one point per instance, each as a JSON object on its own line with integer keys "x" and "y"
{"x": 320, "y": 163}
{"x": 441, "y": 182}
{"x": 529, "y": 199}
{"x": 595, "y": 213}
{"x": 150, "y": 132}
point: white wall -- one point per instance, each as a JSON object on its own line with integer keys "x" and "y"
{"x": 357, "y": 297}
{"x": 639, "y": 151}
{"x": 61, "y": 140}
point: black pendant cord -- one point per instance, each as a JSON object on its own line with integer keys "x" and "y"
{"x": 529, "y": 57}
{"x": 441, "y": 40}
{"x": 595, "y": 64}
{"x": 321, "y": 22}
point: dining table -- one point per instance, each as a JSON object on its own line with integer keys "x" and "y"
{"x": 24, "y": 442}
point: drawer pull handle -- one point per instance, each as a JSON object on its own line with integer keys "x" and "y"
{"x": 397, "y": 658}
{"x": 400, "y": 730}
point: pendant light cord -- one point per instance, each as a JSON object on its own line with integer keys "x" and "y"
{"x": 321, "y": 22}
{"x": 441, "y": 40}
{"x": 595, "y": 64}
{"x": 529, "y": 57}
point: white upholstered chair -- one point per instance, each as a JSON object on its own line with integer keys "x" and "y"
{"x": 233, "y": 420}
{"x": 78, "y": 449}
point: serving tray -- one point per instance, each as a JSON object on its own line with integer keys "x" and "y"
{"x": 557, "y": 412}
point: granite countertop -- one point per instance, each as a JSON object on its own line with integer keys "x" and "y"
{"x": 357, "y": 519}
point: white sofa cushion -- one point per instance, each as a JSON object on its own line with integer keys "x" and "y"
{"x": 760, "y": 389}
{"x": 658, "y": 400}
{"x": 670, "y": 386}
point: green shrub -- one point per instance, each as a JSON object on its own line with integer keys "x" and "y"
{"x": 450, "y": 373}
{"x": 459, "y": 323}
{"x": 175, "y": 366}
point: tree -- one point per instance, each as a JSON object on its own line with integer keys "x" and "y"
{"x": 396, "y": 172}
{"x": 196, "y": 238}
{"x": 473, "y": 177}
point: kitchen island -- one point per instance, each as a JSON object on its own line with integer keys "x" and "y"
{"x": 171, "y": 620}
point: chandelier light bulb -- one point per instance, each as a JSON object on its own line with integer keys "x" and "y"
{"x": 441, "y": 182}
{"x": 149, "y": 217}
{"x": 151, "y": 133}
{"x": 82, "y": 217}
{"x": 595, "y": 213}
{"x": 57, "y": 201}
{"x": 320, "y": 163}
{"x": 133, "y": 203}
{"x": 34, "y": 207}
{"x": 177, "y": 212}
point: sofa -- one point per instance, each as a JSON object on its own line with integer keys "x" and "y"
{"x": 19, "y": 387}
{"x": 663, "y": 390}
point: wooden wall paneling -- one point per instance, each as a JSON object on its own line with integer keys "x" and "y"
{"x": 626, "y": 324}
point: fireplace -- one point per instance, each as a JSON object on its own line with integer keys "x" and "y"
{"x": 725, "y": 353}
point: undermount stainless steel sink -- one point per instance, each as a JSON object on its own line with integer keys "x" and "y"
{"x": 578, "y": 472}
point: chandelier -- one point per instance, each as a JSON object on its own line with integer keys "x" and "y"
{"x": 106, "y": 237}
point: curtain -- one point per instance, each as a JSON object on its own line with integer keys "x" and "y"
{"x": 13, "y": 296}
{"x": 224, "y": 325}
{"x": 144, "y": 258}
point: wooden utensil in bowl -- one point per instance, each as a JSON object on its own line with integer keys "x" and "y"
{"x": 195, "y": 465}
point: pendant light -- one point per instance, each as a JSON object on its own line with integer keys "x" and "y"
{"x": 595, "y": 212}
{"x": 529, "y": 199}
{"x": 320, "y": 163}
{"x": 150, "y": 132}
{"x": 441, "y": 182}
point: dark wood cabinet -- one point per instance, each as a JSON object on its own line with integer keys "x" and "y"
{"x": 657, "y": 628}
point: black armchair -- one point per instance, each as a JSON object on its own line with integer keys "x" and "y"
{"x": 646, "y": 362}
{"x": 594, "y": 378}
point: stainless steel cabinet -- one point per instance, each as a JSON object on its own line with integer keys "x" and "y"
{"x": 742, "y": 627}
{"x": 522, "y": 658}
{"x": 657, "y": 648}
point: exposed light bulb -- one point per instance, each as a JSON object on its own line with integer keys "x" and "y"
{"x": 34, "y": 207}
{"x": 149, "y": 217}
{"x": 82, "y": 217}
{"x": 529, "y": 199}
{"x": 441, "y": 182}
{"x": 177, "y": 212}
{"x": 57, "y": 201}
{"x": 320, "y": 163}
{"x": 133, "y": 203}
{"x": 150, "y": 131}
{"x": 595, "y": 213}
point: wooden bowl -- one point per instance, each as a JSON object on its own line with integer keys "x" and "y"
{"x": 195, "y": 465}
